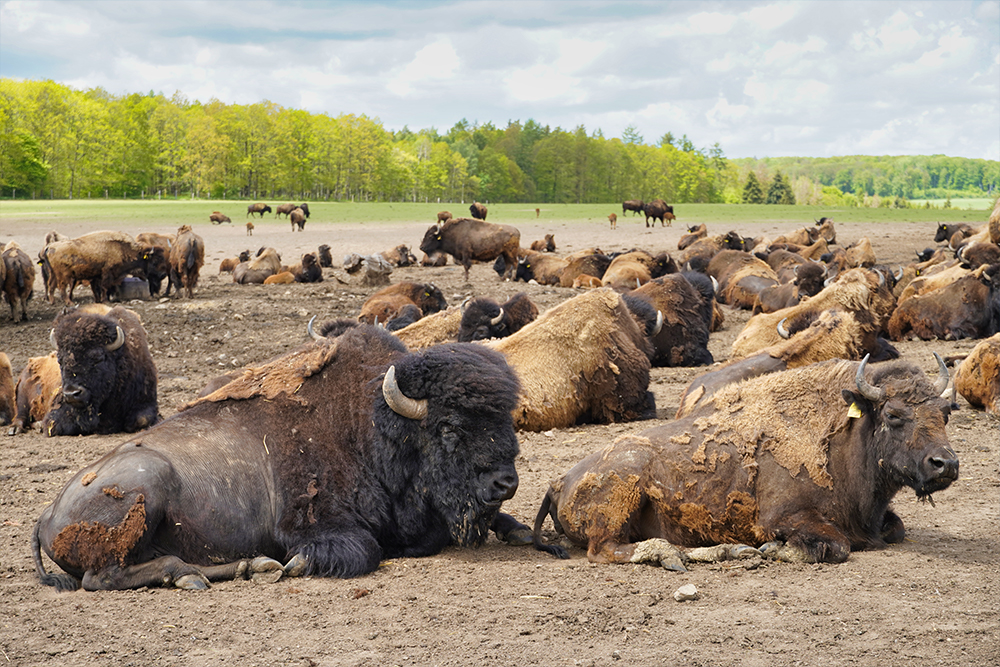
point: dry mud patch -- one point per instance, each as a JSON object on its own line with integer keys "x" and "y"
{"x": 928, "y": 601}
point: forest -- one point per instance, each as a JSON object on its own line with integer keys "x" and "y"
{"x": 60, "y": 143}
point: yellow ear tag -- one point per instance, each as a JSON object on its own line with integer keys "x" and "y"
{"x": 854, "y": 412}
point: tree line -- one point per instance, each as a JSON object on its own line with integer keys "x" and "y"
{"x": 58, "y": 142}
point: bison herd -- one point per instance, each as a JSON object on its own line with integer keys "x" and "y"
{"x": 394, "y": 433}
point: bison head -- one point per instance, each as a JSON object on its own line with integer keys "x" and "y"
{"x": 447, "y": 412}
{"x": 482, "y": 319}
{"x": 905, "y": 420}
{"x": 432, "y": 239}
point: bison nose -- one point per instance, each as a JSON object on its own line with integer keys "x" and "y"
{"x": 500, "y": 487}
{"x": 75, "y": 394}
{"x": 942, "y": 464}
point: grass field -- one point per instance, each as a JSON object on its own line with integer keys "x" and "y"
{"x": 133, "y": 214}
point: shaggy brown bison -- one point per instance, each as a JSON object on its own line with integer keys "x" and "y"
{"x": 484, "y": 318}
{"x": 186, "y": 259}
{"x": 8, "y": 408}
{"x": 322, "y": 463}
{"x": 284, "y": 209}
{"x": 217, "y": 218}
{"x": 386, "y": 303}
{"x": 108, "y": 374}
{"x": 977, "y": 378}
{"x": 258, "y": 208}
{"x": 802, "y": 464}
{"x": 36, "y": 392}
{"x": 659, "y": 210}
{"x": 103, "y": 258}
{"x": 17, "y": 280}
{"x": 474, "y": 240}
{"x": 477, "y": 210}
{"x": 298, "y": 218}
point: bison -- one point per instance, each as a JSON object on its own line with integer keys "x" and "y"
{"x": 17, "y": 280}
{"x": 977, "y": 378}
{"x": 961, "y": 309}
{"x": 474, "y": 240}
{"x": 613, "y": 219}
{"x": 104, "y": 258}
{"x": 249, "y": 228}
{"x": 441, "y": 327}
{"x": 484, "y": 318}
{"x": 323, "y": 462}
{"x": 399, "y": 256}
{"x": 284, "y": 209}
{"x": 266, "y": 263}
{"x": 693, "y": 234}
{"x": 186, "y": 259}
{"x": 542, "y": 267}
{"x": 8, "y": 408}
{"x": 682, "y": 338}
{"x": 298, "y": 218}
{"x": 307, "y": 270}
{"x": 548, "y": 244}
{"x": 108, "y": 374}
{"x": 444, "y": 216}
{"x": 325, "y": 256}
{"x": 386, "y": 303}
{"x": 585, "y": 360}
{"x": 258, "y": 208}
{"x": 227, "y": 265}
{"x": 659, "y": 210}
{"x": 217, "y": 218}
{"x": 477, "y": 210}
{"x": 36, "y": 392}
{"x": 809, "y": 457}
{"x": 634, "y": 205}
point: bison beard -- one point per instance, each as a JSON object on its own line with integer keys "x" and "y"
{"x": 312, "y": 465}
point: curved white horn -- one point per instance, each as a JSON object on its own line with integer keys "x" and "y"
{"x": 782, "y": 331}
{"x": 52, "y": 339}
{"x": 313, "y": 334}
{"x": 118, "y": 341}
{"x": 943, "y": 375}
{"x": 659, "y": 323}
{"x": 873, "y": 394}
{"x": 401, "y": 404}
{"x": 498, "y": 319}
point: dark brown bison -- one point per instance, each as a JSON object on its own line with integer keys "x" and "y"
{"x": 953, "y": 233}
{"x": 298, "y": 218}
{"x": 258, "y": 208}
{"x": 741, "y": 277}
{"x": 108, "y": 375}
{"x": 474, "y": 240}
{"x": 634, "y": 205}
{"x": 548, "y": 244}
{"x": 186, "y": 259}
{"x": 8, "y": 408}
{"x": 305, "y": 209}
{"x": 17, "y": 280}
{"x": 307, "y": 270}
{"x": 592, "y": 263}
{"x": 103, "y": 258}
{"x": 682, "y": 337}
{"x": 322, "y": 463}
{"x": 659, "y": 210}
{"x": 484, "y": 318}
{"x": 284, "y": 209}
{"x": 585, "y": 360}
{"x": 693, "y": 234}
{"x": 802, "y": 464}
{"x": 227, "y": 265}
{"x": 36, "y": 392}
{"x": 961, "y": 309}
{"x": 386, "y": 303}
{"x": 217, "y": 218}
{"x": 977, "y": 378}
{"x": 257, "y": 270}
{"x": 325, "y": 257}
{"x": 477, "y": 210}
{"x": 542, "y": 267}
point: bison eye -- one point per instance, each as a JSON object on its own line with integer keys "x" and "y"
{"x": 894, "y": 420}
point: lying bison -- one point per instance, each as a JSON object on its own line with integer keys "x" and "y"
{"x": 108, "y": 375}
{"x": 322, "y": 462}
{"x": 811, "y": 457}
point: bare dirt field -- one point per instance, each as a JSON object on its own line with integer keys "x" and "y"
{"x": 932, "y": 600}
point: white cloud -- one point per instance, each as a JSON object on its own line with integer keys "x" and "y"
{"x": 435, "y": 62}
{"x": 542, "y": 83}
{"x": 771, "y": 17}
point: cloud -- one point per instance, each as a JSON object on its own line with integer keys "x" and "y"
{"x": 435, "y": 62}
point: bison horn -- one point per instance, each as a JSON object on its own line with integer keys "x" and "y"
{"x": 898, "y": 275}
{"x": 943, "y": 375}
{"x": 496, "y": 320}
{"x": 881, "y": 278}
{"x": 118, "y": 341}
{"x": 782, "y": 331}
{"x": 313, "y": 334}
{"x": 401, "y": 404}
{"x": 873, "y": 394}
{"x": 52, "y": 339}
{"x": 715, "y": 284}
{"x": 659, "y": 323}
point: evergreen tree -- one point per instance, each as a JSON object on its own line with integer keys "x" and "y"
{"x": 780, "y": 191}
{"x": 752, "y": 192}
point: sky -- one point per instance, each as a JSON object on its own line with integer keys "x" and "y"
{"x": 762, "y": 79}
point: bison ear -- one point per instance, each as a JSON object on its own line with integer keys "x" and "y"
{"x": 858, "y": 405}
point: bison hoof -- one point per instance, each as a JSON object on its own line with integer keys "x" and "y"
{"x": 783, "y": 552}
{"x": 721, "y": 552}
{"x": 657, "y": 550}
{"x": 265, "y": 570}
{"x": 518, "y": 537}
{"x": 296, "y": 567}
{"x": 195, "y": 581}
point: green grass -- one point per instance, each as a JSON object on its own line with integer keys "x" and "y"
{"x": 151, "y": 213}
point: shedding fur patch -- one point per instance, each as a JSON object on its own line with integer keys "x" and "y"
{"x": 94, "y": 546}
{"x": 282, "y": 376}
{"x": 787, "y": 414}
{"x": 88, "y": 478}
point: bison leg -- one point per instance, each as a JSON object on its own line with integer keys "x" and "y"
{"x": 809, "y": 538}
{"x": 653, "y": 550}
{"x": 510, "y": 530}
{"x": 722, "y": 552}
{"x": 344, "y": 554}
{"x": 893, "y": 530}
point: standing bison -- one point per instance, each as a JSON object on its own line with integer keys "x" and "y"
{"x": 298, "y": 218}
{"x": 108, "y": 375}
{"x": 634, "y": 205}
{"x": 104, "y": 258}
{"x": 187, "y": 256}
{"x": 477, "y": 210}
{"x": 659, "y": 210}
{"x": 258, "y": 208}
{"x": 17, "y": 280}
{"x": 474, "y": 240}
{"x": 811, "y": 457}
{"x": 328, "y": 460}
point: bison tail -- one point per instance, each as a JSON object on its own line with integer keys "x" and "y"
{"x": 543, "y": 511}
{"x": 63, "y": 583}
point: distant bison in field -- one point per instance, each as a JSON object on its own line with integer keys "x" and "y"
{"x": 478, "y": 211}
{"x": 217, "y": 218}
{"x": 258, "y": 208}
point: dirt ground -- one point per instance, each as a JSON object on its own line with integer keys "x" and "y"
{"x": 932, "y": 600}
